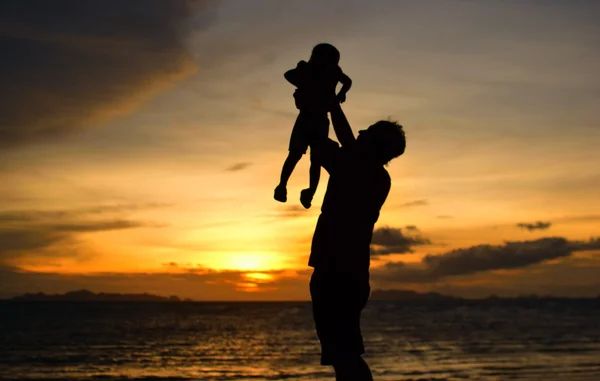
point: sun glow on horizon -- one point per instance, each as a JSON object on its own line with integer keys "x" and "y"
{"x": 250, "y": 262}
{"x": 259, "y": 277}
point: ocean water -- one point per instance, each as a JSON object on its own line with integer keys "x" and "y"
{"x": 501, "y": 340}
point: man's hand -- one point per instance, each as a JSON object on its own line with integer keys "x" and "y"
{"x": 341, "y": 97}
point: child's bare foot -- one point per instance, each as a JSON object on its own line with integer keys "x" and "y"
{"x": 306, "y": 197}
{"x": 280, "y": 193}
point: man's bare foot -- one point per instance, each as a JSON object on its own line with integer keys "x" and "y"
{"x": 280, "y": 193}
{"x": 306, "y": 197}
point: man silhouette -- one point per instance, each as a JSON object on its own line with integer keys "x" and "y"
{"x": 340, "y": 254}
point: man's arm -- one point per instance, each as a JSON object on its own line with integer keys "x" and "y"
{"x": 325, "y": 152}
{"x": 342, "y": 128}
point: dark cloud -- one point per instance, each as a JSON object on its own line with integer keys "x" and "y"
{"x": 481, "y": 258}
{"x": 238, "y": 167}
{"x": 574, "y": 276}
{"x": 18, "y": 241}
{"x": 187, "y": 267}
{"x": 97, "y": 226}
{"x": 539, "y": 225}
{"x": 33, "y": 240}
{"x": 32, "y": 233}
{"x": 592, "y": 244}
{"x": 444, "y": 217}
{"x": 420, "y": 202}
{"x": 291, "y": 211}
{"x": 585, "y": 217}
{"x": 388, "y": 240}
{"x": 15, "y": 216}
{"x": 69, "y": 64}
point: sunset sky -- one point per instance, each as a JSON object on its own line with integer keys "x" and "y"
{"x": 140, "y": 143}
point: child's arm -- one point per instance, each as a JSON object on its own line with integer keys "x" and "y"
{"x": 293, "y": 76}
{"x": 346, "y": 85}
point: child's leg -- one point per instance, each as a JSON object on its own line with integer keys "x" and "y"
{"x": 315, "y": 175}
{"x": 298, "y": 147}
{"x": 321, "y": 128}
{"x": 320, "y": 131}
{"x": 288, "y": 167}
{"x": 307, "y": 194}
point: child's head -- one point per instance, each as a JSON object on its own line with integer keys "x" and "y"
{"x": 325, "y": 54}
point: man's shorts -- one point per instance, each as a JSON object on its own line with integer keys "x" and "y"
{"x": 337, "y": 303}
{"x": 307, "y": 123}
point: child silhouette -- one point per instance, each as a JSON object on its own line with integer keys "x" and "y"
{"x": 316, "y": 82}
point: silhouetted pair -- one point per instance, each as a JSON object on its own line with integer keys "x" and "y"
{"x": 357, "y": 189}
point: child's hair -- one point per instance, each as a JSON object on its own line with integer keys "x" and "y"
{"x": 325, "y": 54}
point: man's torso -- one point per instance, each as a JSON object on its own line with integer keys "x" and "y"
{"x": 355, "y": 193}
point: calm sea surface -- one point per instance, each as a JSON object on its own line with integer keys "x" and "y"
{"x": 503, "y": 340}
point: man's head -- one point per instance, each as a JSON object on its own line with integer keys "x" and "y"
{"x": 382, "y": 141}
{"x": 325, "y": 54}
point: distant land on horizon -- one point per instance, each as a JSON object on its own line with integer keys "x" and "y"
{"x": 89, "y": 296}
{"x": 409, "y": 295}
{"x": 377, "y": 294}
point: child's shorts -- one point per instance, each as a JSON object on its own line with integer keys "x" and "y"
{"x": 307, "y": 124}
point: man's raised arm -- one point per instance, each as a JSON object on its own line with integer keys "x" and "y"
{"x": 342, "y": 128}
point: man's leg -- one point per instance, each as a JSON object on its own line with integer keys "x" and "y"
{"x": 337, "y": 305}
{"x": 352, "y": 368}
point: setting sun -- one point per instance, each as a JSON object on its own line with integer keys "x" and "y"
{"x": 250, "y": 261}
{"x": 259, "y": 277}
